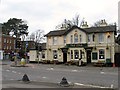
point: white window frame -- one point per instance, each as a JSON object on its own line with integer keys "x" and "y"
{"x": 76, "y": 57}
{"x": 80, "y": 37}
{"x": 55, "y": 54}
{"x": 71, "y": 39}
{"x": 75, "y": 38}
{"x": 101, "y": 54}
{"x": 101, "y": 37}
{"x": 55, "y": 40}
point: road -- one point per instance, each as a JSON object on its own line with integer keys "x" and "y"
{"x": 51, "y": 75}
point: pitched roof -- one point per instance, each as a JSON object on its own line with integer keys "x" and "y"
{"x": 62, "y": 32}
{"x": 56, "y": 33}
{"x": 103, "y": 29}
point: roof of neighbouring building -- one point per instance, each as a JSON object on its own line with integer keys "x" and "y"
{"x": 111, "y": 28}
{"x": 103, "y": 29}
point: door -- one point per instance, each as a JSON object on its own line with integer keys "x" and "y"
{"x": 117, "y": 59}
{"x": 64, "y": 57}
{"x": 88, "y": 56}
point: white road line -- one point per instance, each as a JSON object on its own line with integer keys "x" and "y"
{"x": 12, "y": 67}
{"x": 74, "y": 70}
{"x": 102, "y": 73}
{"x": 44, "y": 77}
{"x": 7, "y": 70}
{"x": 80, "y": 84}
{"x": 19, "y": 73}
{"x": 110, "y": 73}
{"x": 14, "y": 71}
{"x": 49, "y": 69}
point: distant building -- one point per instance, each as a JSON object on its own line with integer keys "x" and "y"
{"x": 8, "y": 45}
{"x": 90, "y": 44}
{"x": 38, "y": 53}
{"x": 1, "y": 51}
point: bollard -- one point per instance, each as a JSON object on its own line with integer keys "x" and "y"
{"x": 64, "y": 82}
{"x": 25, "y": 78}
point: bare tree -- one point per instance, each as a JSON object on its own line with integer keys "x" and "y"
{"x": 37, "y": 36}
{"x": 66, "y": 24}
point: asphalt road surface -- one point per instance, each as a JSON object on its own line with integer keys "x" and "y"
{"x": 49, "y": 76}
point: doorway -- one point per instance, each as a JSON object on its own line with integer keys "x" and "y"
{"x": 88, "y": 56}
{"x": 64, "y": 57}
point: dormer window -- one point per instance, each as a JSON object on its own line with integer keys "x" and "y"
{"x": 75, "y": 38}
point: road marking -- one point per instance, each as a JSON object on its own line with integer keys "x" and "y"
{"x": 7, "y": 70}
{"x": 74, "y": 70}
{"x": 12, "y": 67}
{"x": 19, "y": 73}
{"x": 44, "y": 77}
{"x": 80, "y": 84}
{"x": 102, "y": 73}
{"x": 14, "y": 71}
{"x": 50, "y": 69}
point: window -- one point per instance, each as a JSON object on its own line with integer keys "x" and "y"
{"x": 10, "y": 47}
{"x": 76, "y": 53}
{"x": 55, "y": 54}
{"x": 7, "y": 41}
{"x": 101, "y": 37}
{"x": 80, "y": 38}
{"x": 94, "y": 56}
{"x": 75, "y": 38}
{"x": 101, "y": 54}
{"x": 54, "y": 40}
{"x": 10, "y": 41}
{"x": 4, "y": 40}
{"x": 71, "y": 54}
{"x": 93, "y": 37}
{"x": 89, "y": 38}
{"x": 43, "y": 54}
{"x": 4, "y": 46}
{"x": 71, "y": 39}
{"x": 7, "y": 47}
{"x": 64, "y": 39}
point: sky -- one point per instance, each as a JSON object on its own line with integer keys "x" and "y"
{"x": 47, "y": 14}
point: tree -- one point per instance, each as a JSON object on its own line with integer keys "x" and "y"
{"x": 37, "y": 36}
{"x": 17, "y": 26}
{"x": 66, "y": 24}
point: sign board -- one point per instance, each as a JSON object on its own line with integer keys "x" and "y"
{"x": 76, "y": 45}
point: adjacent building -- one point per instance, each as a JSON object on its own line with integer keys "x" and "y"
{"x": 8, "y": 45}
{"x": 1, "y": 51}
{"x": 89, "y": 44}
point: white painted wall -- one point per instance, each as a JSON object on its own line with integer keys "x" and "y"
{"x": 1, "y": 55}
{"x": 33, "y": 55}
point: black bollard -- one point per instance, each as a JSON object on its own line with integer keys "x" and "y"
{"x": 64, "y": 82}
{"x": 25, "y": 78}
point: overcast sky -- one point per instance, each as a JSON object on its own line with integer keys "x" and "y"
{"x": 46, "y": 14}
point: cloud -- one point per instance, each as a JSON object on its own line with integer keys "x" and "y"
{"x": 46, "y": 14}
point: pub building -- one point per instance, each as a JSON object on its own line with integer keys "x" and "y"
{"x": 90, "y": 44}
